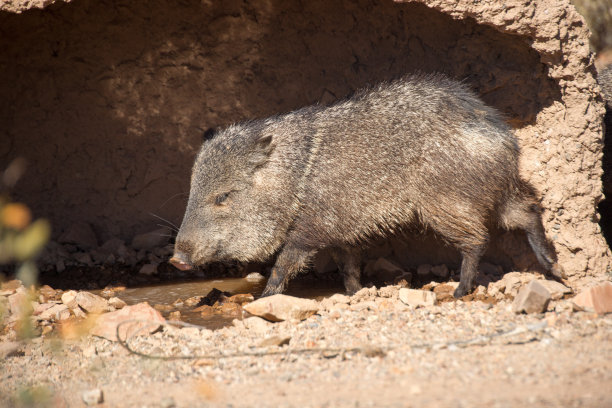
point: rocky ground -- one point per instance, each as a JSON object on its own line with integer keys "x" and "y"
{"x": 391, "y": 346}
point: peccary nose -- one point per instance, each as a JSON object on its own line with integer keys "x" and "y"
{"x": 180, "y": 262}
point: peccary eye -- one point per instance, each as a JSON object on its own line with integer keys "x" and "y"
{"x": 221, "y": 198}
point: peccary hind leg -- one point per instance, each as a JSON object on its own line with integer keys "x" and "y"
{"x": 289, "y": 262}
{"x": 348, "y": 260}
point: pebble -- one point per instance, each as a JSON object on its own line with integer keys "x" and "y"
{"x": 69, "y": 299}
{"x": 116, "y": 302}
{"x": 256, "y": 324}
{"x": 254, "y": 277}
{"x": 416, "y": 298}
{"x": 280, "y": 307}
{"x": 532, "y": 298}
{"x": 597, "y": 299}
{"x": 93, "y": 397}
{"x": 106, "y": 324}
{"x": 91, "y": 303}
{"x": 55, "y": 312}
{"x": 556, "y": 289}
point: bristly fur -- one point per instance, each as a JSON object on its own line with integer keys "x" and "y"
{"x": 421, "y": 149}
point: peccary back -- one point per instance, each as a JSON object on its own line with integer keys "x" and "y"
{"x": 422, "y": 149}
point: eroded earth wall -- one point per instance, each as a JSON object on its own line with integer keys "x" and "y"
{"x": 107, "y": 100}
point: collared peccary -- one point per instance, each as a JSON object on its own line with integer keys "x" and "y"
{"x": 423, "y": 149}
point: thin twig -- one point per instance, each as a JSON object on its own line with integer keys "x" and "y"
{"x": 366, "y": 350}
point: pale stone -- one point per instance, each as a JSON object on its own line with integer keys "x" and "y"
{"x": 597, "y": 299}
{"x": 56, "y": 312}
{"x": 280, "y": 307}
{"x": 91, "y": 303}
{"x": 256, "y": 324}
{"x": 69, "y": 299}
{"x": 416, "y": 298}
{"x": 116, "y": 303}
{"x": 148, "y": 321}
{"x": 93, "y": 397}
{"x": 556, "y": 289}
{"x": 532, "y": 298}
{"x": 254, "y": 277}
{"x": 339, "y": 298}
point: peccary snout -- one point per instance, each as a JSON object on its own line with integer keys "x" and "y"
{"x": 421, "y": 150}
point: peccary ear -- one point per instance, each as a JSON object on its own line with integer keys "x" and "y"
{"x": 208, "y": 134}
{"x": 262, "y": 149}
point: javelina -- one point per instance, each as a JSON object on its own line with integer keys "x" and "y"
{"x": 422, "y": 149}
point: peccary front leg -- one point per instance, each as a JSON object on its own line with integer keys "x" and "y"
{"x": 348, "y": 260}
{"x": 290, "y": 261}
{"x": 469, "y": 270}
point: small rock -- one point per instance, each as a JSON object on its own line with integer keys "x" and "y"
{"x": 192, "y": 301}
{"x": 56, "y": 312}
{"x": 441, "y": 271}
{"x": 69, "y": 299}
{"x": 9, "y": 349}
{"x": 241, "y": 298}
{"x": 230, "y": 309}
{"x": 38, "y": 309}
{"x": 106, "y": 324}
{"x": 48, "y": 292}
{"x": 148, "y": 269}
{"x": 93, "y": 397}
{"x": 81, "y": 234}
{"x": 275, "y": 341}
{"x": 83, "y": 258}
{"x": 597, "y": 299}
{"x": 205, "y": 310}
{"x": 167, "y": 402}
{"x": 280, "y": 307}
{"x": 532, "y": 298}
{"x": 416, "y": 298}
{"x": 556, "y": 289}
{"x": 423, "y": 270}
{"x": 254, "y": 277}
{"x": 151, "y": 240}
{"x": 256, "y": 324}
{"x": 176, "y": 315}
{"x": 19, "y": 303}
{"x": 339, "y": 298}
{"x": 366, "y": 305}
{"x": 11, "y": 285}
{"x": 91, "y": 303}
{"x": 163, "y": 308}
{"x": 116, "y": 303}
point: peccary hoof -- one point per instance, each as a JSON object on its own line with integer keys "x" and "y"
{"x": 460, "y": 292}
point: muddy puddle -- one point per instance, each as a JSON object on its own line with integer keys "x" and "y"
{"x": 171, "y": 297}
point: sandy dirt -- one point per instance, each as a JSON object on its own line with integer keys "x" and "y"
{"x": 373, "y": 351}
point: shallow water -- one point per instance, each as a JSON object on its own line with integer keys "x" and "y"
{"x": 168, "y": 293}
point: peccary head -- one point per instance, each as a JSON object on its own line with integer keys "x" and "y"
{"x": 236, "y": 210}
